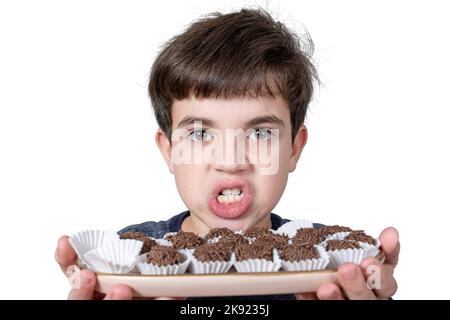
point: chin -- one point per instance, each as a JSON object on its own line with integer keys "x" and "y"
{"x": 232, "y": 224}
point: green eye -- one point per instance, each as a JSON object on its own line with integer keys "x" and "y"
{"x": 200, "y": 135}
{"x": 260, "y": 134}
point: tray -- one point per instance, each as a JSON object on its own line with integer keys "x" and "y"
{"x": 229, "y": 284}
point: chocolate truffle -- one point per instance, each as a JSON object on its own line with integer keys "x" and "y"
{"x": 299, "y": 253}
{"x": 212, "y": 252}
{"x": 307, "y": 236}
{"x": 359, "y": 235}
{"x": 185, "y": 240}
{"x": 277, "y": 241}
{"x": 232, "y": 241}
{"x": 164, "y": 256}
{"x": 219, "y": 232}
{"x": 148, "y": 242}
{"x": 256, "y": 232}
{"x": 253, "y": 251}
{"x": 341, "y": 244}
{"x": 329, "y": 230}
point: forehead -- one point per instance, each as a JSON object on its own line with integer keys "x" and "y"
{"x": 229, "y": 113}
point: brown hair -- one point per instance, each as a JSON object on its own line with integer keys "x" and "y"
{"x": 239, "y": 54}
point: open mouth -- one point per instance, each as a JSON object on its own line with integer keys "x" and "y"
{"x": 230, "y": 199}
{"x": 230, "y": 195}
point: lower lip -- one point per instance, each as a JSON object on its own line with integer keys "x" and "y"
{"x": 231, "y": 210}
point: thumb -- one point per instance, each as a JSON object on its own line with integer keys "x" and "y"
{"x": 64, "y": 254}
{"x": 390, "y": 245}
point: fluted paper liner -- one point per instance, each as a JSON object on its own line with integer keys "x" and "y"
{"x": 290, "y": 228}
{"x": 163, "y": 242}
{"x": 259, "y": 265}
{"x": 356, "y": 256}
{"x": 308, "y": 264}
{"x": 146, "y": 268}
{"x": 116, "y": 257}
{"x": 87, "y": 240}
{"x": 210, "y": 267}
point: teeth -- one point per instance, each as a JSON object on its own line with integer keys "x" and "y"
{"x": 229, "y": 198}
{"x": 234, "y": 191}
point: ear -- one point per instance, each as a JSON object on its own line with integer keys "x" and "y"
{"x": 165, "y": 148}
{"x": 297, "y": 147}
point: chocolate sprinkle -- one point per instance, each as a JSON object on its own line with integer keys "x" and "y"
{"x": 164, "y": 256}
{"x": 307, "y": 236}
{"x": 277, "y": 241}
{"x": 299, "y": 253}
{"x": 232, "y": 241}
{"x": 212, "y": 252}
{"x": 253, "y": 251}
{"x": 359, "y": 235}
{"x": 329, "y": 230}
{"x": 257, "y": 232}
{"x": 341, "y": 244}
{"x": 219, "y": 232}
{"x": 148, "y": 242}
{"x": 185, "y": 240}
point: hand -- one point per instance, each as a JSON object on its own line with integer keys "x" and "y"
{"x": 66, "y": 256}
{"x": 353, "y": 278}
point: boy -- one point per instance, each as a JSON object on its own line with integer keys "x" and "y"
{"x": 226, "y": 92}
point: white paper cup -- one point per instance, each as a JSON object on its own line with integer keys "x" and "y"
{"x": 356, "y": 256}
{"x": 210, "y": 267}
{"x": 117, "y": 257}
{"x": 259, "y": 265}
{"x": 146, "y": 268}
{"x": 308, "y": 264}
{"x": 290, "y": 228}
{"x": 87, "y": 240}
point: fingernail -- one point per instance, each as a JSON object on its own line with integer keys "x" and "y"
{"x": 350, "y": 273}
{"x": 58, "y": 250}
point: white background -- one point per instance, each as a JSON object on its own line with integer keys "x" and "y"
{"x": 77, "y": 144}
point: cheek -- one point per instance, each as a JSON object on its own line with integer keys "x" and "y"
{"x": 270, "y": 188}
{"x": 186, "y": 178}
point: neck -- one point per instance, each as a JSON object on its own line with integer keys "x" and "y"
{"x": 194, "y": 224}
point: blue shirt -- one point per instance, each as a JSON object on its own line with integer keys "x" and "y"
{"x": 159, "y": 229}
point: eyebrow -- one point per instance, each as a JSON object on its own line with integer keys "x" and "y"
{"x": 188, "y": 120}
{"x": 265, "y": 119}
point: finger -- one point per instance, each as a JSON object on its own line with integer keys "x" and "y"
{"x": 64, "y": 254}
{"x": 119, "y": 292}
{"x": 390, "y": 245}
{"x": 353, "y": 282}
{"x": 306, "y": 296}
{"x": 165, "y": 298}
{"x": 380, "y": 278}
{"x": 86, "y": 288}
{"x": 329, "y": 291}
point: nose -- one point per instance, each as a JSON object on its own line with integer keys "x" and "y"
{"x": 231, "y": 156}
{"x": 231, "y": 167}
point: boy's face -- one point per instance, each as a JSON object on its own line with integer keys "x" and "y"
{"x": 231, "y": 159}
